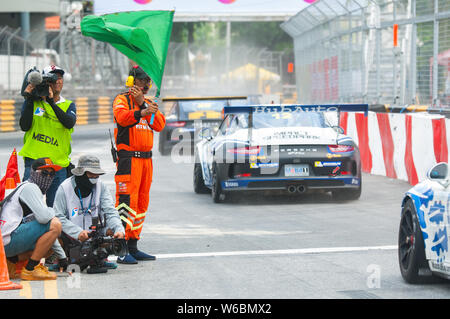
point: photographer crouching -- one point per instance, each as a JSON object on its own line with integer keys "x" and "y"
{"x": 47, "y": 120}
{"x": 91, "y": 226}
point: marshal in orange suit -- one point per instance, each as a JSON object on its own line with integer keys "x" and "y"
{"x": 133, "y": 134}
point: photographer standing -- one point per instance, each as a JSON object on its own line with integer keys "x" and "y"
{"x": 48, "y": 121}
{"x": 82, "y": 198}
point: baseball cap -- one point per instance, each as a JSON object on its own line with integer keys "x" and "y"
{"x": 88, "y": 163}
{"x": 44, "y": 162}
{"x": 138, "y": 72}
{"x": 53, "y": 69}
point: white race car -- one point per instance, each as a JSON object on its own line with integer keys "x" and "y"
{"x": 423, "y": 235}
{"x": 289, "y": 148}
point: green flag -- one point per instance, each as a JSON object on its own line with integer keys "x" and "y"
{"x": 142, "y": 36}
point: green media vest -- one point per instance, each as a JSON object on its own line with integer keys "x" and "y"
{"x": 47, "y": 137}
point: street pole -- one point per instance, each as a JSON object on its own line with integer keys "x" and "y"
{"x": 228, "y": 49}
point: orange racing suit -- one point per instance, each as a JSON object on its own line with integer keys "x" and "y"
{"x": 134, "y": 140}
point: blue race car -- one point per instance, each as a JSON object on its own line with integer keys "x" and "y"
{"x": 423, "y": 234}
{"x": 284, "y": 148}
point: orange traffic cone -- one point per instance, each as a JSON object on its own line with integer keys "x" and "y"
{"x": 9, "y": 185}
{"x": 5, "y": 283}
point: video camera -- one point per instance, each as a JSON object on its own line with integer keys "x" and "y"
{"x": 40, "y": 81}
{"x": 93, "y": 252}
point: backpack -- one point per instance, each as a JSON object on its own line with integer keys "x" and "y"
{"x": 7, "y": 198}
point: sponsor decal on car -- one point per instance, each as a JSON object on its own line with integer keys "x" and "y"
{"x": 327, "y": 164}
{"x": 264, "y": 165}
{"x": 333, "y": 155}
{"x": 231, "y": 184}
{"x": 289, "y": 135}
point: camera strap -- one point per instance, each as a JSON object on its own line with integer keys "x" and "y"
{"x": 88, "y": 210}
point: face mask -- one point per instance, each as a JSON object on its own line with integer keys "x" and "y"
{"x": 42, "y": 181}
{"x": 84, "y": 185}
{"x": 93, "y": 180}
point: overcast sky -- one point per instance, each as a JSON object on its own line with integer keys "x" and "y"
{"x": 202, "y": 6}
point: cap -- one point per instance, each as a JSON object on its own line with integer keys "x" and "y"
{"x": 138, "y": 72}
{"x": 53, "y": 69}
{"x": 44, "y": 162}
{"x": 88, "y": 163}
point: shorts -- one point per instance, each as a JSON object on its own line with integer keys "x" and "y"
{"x": 24, "y": 238}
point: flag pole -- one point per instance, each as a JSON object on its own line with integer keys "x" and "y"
{"x": 158, "y": 91}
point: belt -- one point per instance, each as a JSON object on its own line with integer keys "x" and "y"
{"x": 137, "y": 154}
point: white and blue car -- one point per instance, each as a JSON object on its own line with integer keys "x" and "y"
{"x": 287, "y": 148}
{"x": 423, "y": 234}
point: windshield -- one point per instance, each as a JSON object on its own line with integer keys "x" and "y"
{"x": 289, "y": 119}
{"x": 196, "y": 110}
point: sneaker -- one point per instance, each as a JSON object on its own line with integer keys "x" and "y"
{"x": 127, "y": 259}
{"x": 109, "y": 265}
{"x": 40, "y": 272}
{"x": 139, "y": 255}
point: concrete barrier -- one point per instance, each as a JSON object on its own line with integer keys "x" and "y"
{"x": 401, "y": 146}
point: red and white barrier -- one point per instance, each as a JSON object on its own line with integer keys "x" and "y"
{"x": 401, "y": 146}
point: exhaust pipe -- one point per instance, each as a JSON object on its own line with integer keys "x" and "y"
{"x": 301, "y": 189}
{"x": 291, "y": 189}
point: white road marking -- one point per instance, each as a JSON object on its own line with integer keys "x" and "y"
{"x": 273, "y": 252}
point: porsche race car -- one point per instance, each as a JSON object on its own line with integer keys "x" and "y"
{"x": 423, "y": 243}
{"x": 289, "y": 148}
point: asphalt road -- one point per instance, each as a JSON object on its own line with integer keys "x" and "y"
{"x": 257, "y": 247}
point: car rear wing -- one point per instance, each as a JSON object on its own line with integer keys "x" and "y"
{"x": 297, "y": 108}
{"x": 271, "y": 108}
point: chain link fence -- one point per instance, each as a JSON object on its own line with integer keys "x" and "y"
{"x": 347, "y": 51}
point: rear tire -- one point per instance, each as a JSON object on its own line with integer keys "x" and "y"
{"x": 411, "y": 247}
{"x": 199, "y": 183}
{"x": 217, "y": 193}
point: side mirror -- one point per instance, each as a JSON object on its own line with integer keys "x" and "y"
{"x": 205, "y": 133}
{"x": 439, "y": 172}
{"x": 339, "y": 129}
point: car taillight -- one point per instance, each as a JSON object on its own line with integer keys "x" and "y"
{"x": 176, "y": 124}
{"x": 340, "y": 148}
{"x": 243, "y": 175}
{"x": 248, "y": 150}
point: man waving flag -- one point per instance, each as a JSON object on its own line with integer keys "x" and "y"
{"x": 143, "y": 36}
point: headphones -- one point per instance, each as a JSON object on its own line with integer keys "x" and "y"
{"x": 130, "y": 78}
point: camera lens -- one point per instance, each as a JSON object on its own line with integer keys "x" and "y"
{"x": 119, "y": 247}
